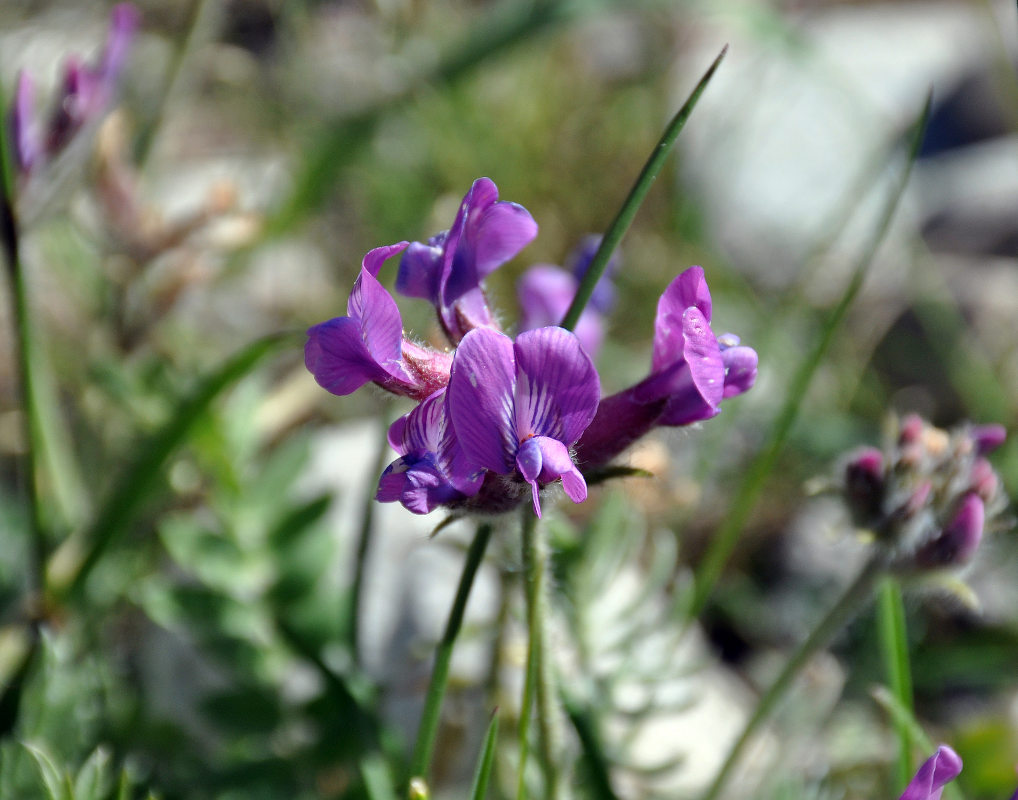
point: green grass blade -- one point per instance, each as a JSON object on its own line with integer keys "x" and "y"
{"x": 635, "y": 199}
{"x": 709, "y": 569}
{"x": 894, "y": 648}
{"x": 140, "y": 476}
{"x": 482, "y": 776}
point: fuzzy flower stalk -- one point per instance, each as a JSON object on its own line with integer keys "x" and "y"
{"x": 500, "y": 418}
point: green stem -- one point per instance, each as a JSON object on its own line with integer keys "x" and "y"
{"x": 851, "y": 602}
{"x": 532, "y": 565}
{"x": 637, "y": 194}
{"x": 11, "y": 244}
{"x": 894, "y": 646}
{"x": 443, "y": 655}
{"x": 722, "y": 544}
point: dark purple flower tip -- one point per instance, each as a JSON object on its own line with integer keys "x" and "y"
{"x": 502, "y": 394}
{"x": 604, "y": 296}
{"x": 865, "y": 485}
{"x": 545, "y": 293}
{"x": 938, "y": 770}
{"x": 958, "y": 542}
{"x": 988, "y": 438}
{"x": 24, "y": 126}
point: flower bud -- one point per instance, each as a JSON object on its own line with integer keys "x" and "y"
{"x": 865, "y": 487}
{"x": 959, "y": 539}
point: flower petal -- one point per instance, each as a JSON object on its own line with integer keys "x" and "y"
{"x": 740, "y": 369}
{"x": 688, "y": 290}
{"x": 480, "y": 398}
{"x": 336, "y": 355}
{"x": 939, "y": 769}
{"x": 484, "y": 236}
{"x": 557, "y": 387}
{"x": 377, "y": 315}
{"x": 420, "y": 269}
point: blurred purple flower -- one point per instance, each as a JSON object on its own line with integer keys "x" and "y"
{"x": 448, "y": 270}
{"x": 86, "y": 94}
{"x": 692, "y": 371}
{"x": 518, "y": 407}
{"x": 603, "y": 297}
{"x": 432, "y": 469}
{"x": 545, "y": 293}
{"x": 938, "y": 770}
{"x": 368, "y": 345}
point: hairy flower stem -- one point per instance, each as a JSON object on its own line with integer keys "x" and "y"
{"x": 848, "y": 606}
{"x": 443, "y": 655}
{"x": 10, "y": 243}
{"x": 635, "y": 199}
{"x": 894, "y": 646}
{"x": 533, "y": 576}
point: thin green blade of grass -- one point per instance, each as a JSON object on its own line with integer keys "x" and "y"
{"x": 894, "y": 647}
{"x": 710, "y": 567}
{"x": 141, "y": 474}
{"x": 627, "y": 213}
{"x": 486, "y": 760}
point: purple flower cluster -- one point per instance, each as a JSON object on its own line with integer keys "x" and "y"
{"x": 85, "y": 95}
{"x": 930, "y": 495}
{"x": 499, "y": 419}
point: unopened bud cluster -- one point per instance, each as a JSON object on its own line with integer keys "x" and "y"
{"x": 928, "y": 497}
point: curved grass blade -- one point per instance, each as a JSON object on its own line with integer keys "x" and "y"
{"x": 486, "y": 761}
{"x": 141, "y": 474}
{"x": 637, "y": 194}
{"x": 709, "y": 569}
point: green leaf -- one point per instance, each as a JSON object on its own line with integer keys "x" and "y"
{"x": 486, "y": 760}
{"x": 140, "y": 476}
{"x": 52, "y": 777}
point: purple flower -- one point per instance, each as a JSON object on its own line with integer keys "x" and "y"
{"x": 518, "y": 407}
{"x": 603, "y": 297}
{"x": 86, "y": 94}
{"x": 432, "y": 469}
{"x": 545, "y": 293}
{"x": 957, "y": 543}
{"x": 368, "y": 345}
{"x": 692, "y": 371}
{"x": 448, "y": 270}
{"x": 938, "y": 770}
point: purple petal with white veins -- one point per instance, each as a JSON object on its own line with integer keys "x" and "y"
{"x": 688, "y": 290}
{"x": 939, "y": 769}
{"x": 557, "y": 388}
{"x": 740, "y": 369}
{"x": 480, "y": 399}
{"x": 335, "y": 354}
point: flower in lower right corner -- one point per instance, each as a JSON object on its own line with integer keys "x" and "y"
{"x": 938, "y": 770}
